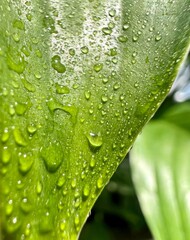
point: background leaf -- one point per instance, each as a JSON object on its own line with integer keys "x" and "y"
{"x": 160, "y": 169}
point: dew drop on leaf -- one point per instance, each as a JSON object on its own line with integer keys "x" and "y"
{"x": 86, "y": 190}
{"x": 39, "y": 187}
{"x": 6, "y": 155}
{"x": 158, "y": 37}
{"x": 25, "y": 163}
{"x": 87, "y": 95}
{"x": 100, "y": 182}
{"x": 84, "y": 50}
{"x": 60, "y": 89}
{"x": 20, "y": 108}
{"x": 52, "y": 155}
{"x": 31, "y": 129}
{"x": 122, "y": 38}
{"x": 19, "y": 138}
{"x": 29, "y": 86}
{"x": 95, "y": 139}
{"x": 77, "y": 219}
{"x": 112, "y": 12}
{"x": 104, "y": 99}
{"x": 74, "y": 183}
{"x": 98, "y": 67}
{"x": 9, "y": 207}
{"x": 62, "y": 225}
{"x": 92, "y": 162}
{"x": 125, "y": 26}
{"x": 57, "y": 65}
{"x": 106, "y": 31}
{"x": 61, "y": 181}
{"x": 5, "y": 135}
{"x": 25, "y": 205}
{"x": 13, "y": 224}
{"x": 45, "y": 223}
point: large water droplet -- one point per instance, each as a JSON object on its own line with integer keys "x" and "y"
{"x": 52, "y": 155}
{"x": 57, "y": 65}
{"x": 95, "y": 139}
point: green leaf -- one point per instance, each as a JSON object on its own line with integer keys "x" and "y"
{"x": 178, "y": 114}
{"x": 160, "y": 169}
{"x": 78, "y": 81}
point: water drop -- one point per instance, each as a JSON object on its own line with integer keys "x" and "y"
{"x": 46, "y": 223}
{"x": 39, "y": 187}
{"x": 18, "y": 24}
{"x": 100, "y": 182}
{"x": 18, "y": 66}
{"x": 16, "y": 37}
{"x": 98, "y": 67}
{"x": 57, "y": 65}
{"x": 20, "y": 108}
{"x": 72, "y": 52}
{"x": 106, "y": 31}
{"x": 92, "y": 162}
{"x": 9, "y": 207}
{"x": 104, "y": 99}
{"x": 31, "y": 129}
{"x": 52, "y": 155}
{"x": 95, "y": 139}
{"x": 135, "y": 38}
{"x": 6, "y": 155}
{"x": 84, "y": 49}
{"x": 29, "y": 86}
{"x": 87, "y": 95}
{"x": 77, "y": 219}
{"x": 116, "y": 86}
{"x": 73, "y": 183}
{"x": 158, "y": 37}
{"x": 61, "y": 89}
{"x": 86, "y": 190}
{"x": 11, "y": 110}
{"x": 123, "y": 38}
{"x": 25, "y": 205}
{"x": 13, "y": 224}
{"x": 5, "y": 135}
{"x": 62, "y": 225}
{"x": 61, "y": 181}
{"x": 112, "y": 12}
{"x": 25, "y": 162}
{"x": 125, "y": 26}
{"x": 19, "y": 138}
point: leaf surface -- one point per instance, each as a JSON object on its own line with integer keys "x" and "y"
{"x": 78, "y": 81}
